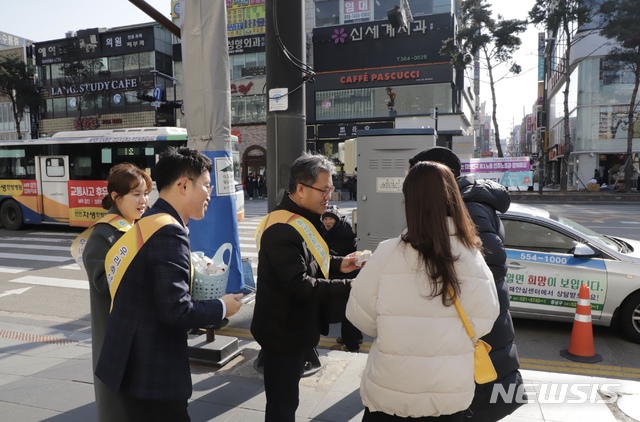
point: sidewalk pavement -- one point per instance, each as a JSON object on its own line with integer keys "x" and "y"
{"x": 45, "y": 375}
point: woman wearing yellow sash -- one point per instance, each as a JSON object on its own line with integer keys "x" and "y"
{"x": 127, "y": 196}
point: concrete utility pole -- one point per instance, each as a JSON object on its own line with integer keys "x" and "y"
{"x": 207, "y": 98}
{"x": 286, "y": 134}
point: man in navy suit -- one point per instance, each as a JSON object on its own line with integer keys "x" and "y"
{"x": 144, "y": 357}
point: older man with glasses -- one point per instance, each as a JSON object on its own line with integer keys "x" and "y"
{"x": 293, "y": 280}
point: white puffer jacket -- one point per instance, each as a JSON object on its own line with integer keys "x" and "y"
{"x": 421, "y": 360}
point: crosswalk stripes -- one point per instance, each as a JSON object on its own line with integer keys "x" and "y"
{"x": 52, "y": 281}
{"x": 248, "y": 249}
{"x": 29, "y": 259}
{"x": 13, "y": 270}
{"x": 20, "y": 255}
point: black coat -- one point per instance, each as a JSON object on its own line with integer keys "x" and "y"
{"x": 341, "y": 239}
{"x": 108, "y": 404}
{"x": 145, "y": 353}
{"x": 483, "y": 199}
{"x": 290, "y": 288}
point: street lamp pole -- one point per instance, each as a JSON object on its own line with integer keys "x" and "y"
{"x": 545, "y": 113}
{"x": 174, "y": 80}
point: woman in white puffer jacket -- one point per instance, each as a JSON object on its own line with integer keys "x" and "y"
{"x": 421, "y": 361}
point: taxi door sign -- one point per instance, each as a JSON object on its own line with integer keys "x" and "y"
{"x": 553, "y": 280}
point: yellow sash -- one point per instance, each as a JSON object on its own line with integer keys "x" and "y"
{"x": 126, "y": 248}
{"x": 310, "y": 235}
{"x": 78, "y": 245}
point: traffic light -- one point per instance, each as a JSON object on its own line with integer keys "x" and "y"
{"x": 171, "y": 104}
{"x": 145, "y": 97}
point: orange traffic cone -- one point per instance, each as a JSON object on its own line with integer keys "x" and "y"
{"x": 581, "y": 347}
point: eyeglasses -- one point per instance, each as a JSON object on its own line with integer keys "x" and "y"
{"x": 325, "y": 192}
{"x": 207, "y": 187}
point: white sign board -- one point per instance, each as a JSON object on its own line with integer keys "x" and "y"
{"x": 224, "y": 176}
{"x": 389, "y": 184}
{"x": 278, "y": 99}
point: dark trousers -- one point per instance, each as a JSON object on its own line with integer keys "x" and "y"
{"x": 282, "y": 373}
{"x": 141, "y": 410}
{"x": 384, "y": 417}
{"x": 351, "y": 336}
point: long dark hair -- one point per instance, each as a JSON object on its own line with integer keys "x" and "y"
{"x": 430, "y": 196}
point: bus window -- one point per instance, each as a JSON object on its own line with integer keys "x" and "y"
{"x": 106, "y": 156}
{"x": 11, "y": 163}
{"x": 82, "y": 166}
{"x": 55, "y": 167}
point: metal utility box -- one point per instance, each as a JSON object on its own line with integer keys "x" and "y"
{"x": 382, "y": 162}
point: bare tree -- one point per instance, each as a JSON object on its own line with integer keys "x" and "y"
{"x": 17, "y": 84}
{"x": 78, "y": 74}
{"x": 562, "y": 16}
{"x": 494, "y": 40}
{"x": 622, "y": 23}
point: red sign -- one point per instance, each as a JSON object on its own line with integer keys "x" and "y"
{"x": 374, "y": 76}
{"x": 87, "y": 193}
{"x": 356, "y": 10}
{"x": 236, "y": 132}
{"x": 85, "y": 201}
{"x": 15, "y": 187}
{"x": 242, "y": 89}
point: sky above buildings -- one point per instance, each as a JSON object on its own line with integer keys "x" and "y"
{"x": 40, "y": 20}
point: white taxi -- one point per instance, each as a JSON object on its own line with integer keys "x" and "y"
{"x": 549, "y": 257}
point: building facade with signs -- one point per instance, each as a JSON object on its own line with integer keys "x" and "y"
{"x": 599, "y": 96}
{"x": 370, "y": 75}
{"x": 246, "y": 20}
{"x": 108, "y": 79}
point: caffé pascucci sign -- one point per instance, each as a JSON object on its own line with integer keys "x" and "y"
{"x": 116, "y": 84}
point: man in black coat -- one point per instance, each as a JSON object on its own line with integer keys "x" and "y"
{"x": 483, "y": 199}
{"x": 293, "y": 268}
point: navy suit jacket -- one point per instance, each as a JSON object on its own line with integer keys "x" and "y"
{"x": 145, "y": 347}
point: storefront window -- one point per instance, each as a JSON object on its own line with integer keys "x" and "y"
{"x": 236, "y": 64}
{"x": 56, "y": 72}
{"x": 146, "y": 60}
{"x": 249, "y": 109}
{"x": 116, "y": 66}
{"x": 327, "y": 12}
{"x": 102, "y": 102}
{"x": 614, "y": 73}
{"x": 59, "y": 107}
{"x": 131, "y": 65}
{"x": 378, "y": 102}
{"x": 44, "y": 73}
{"x": 131, "y": 100}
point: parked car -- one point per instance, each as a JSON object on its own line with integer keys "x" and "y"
{"x": 549, "y": 257}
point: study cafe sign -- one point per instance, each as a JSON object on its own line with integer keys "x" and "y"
{"x": 116, "y": 84}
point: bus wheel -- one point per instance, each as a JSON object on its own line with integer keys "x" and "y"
{"x": 11, "y": 215}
